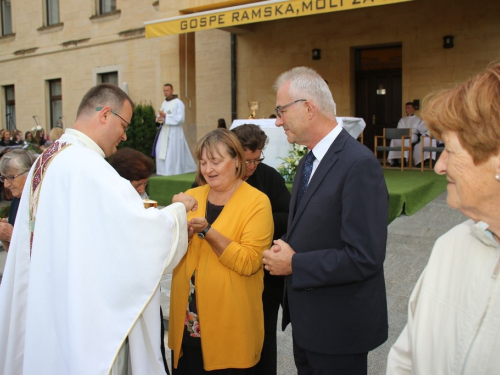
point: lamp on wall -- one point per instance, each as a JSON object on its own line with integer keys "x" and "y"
{"x": 381, "y": 90}
{"x": 316, "y": 54}
{"x": 448, "y": 41}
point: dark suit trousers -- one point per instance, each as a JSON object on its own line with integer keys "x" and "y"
{"x": 311, "y": 363}
{"x": 191, "y": 363}
{"x": 272, "y": 297}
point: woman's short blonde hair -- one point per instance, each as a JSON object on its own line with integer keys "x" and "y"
{"x": 472, "y": 111}
{"x": 56, "y": 133}
{"x": 213, "y": 142}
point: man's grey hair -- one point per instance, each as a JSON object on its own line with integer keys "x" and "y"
{"x": 102, "y": 95}
{"x": 16, "y": 161}
{"x": 305, "y": 83}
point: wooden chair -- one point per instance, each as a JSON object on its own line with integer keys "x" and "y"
{"x": 431, "y": 148}
{"x": 361, "y": 137}
{"x": 394, "y": 134}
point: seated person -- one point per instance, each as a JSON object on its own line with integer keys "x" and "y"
{"x": 6, "y": 139}
{"x": 28, "y": 138}
{"x": 39, "y": 137}
{"x": 18, "y": 138}
{"x": 419, "y": 133}
{"x": 54, "y": 135}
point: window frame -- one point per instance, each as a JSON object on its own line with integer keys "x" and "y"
{"x": 107, "y": 75}
{"x": 103, "y": 3}
{"x": 48, "y": 8}
{"x": 10, "y": 104}
{"x": 3, "y": 17}
{"x": 52, "y": 99}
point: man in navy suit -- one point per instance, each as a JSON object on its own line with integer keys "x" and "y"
{"x": 333, "y": 252}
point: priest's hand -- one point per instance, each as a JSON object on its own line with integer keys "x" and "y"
{"x": 5, "y": 245}
{"x": 187, "y": 200}
{"x": 190, "y": 232}
{"x": 278, "y": 259}
{"x": 5, "y": 230}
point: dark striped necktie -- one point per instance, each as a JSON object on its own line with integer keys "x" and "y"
{"x": 305, "y": 176}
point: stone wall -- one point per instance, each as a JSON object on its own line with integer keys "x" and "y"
{"x": 419, "y": 26}
{"x": 199, "y": 64}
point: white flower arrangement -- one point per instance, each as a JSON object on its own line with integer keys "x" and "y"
{"x": 36, "y": 128}
{"x": 288, "y": 168}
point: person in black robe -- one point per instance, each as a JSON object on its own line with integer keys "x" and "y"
{"x": 267, "y": 179}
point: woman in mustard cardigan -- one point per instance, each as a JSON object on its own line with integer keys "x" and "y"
{"x": 216, "y": 316}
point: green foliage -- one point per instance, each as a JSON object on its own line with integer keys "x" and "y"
{"x": 4, "y": 211}
{"x": 142, "y": 131}
{"x": 34, "y": 148}
{"x": 288, "y": 168}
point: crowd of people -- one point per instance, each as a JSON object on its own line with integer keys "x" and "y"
{"x": 239, "y": 246}
{"x": 35, "y": 137}
{"x": 14, "y": 140}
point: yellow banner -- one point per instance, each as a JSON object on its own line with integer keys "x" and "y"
{"x": 260, "y": 12}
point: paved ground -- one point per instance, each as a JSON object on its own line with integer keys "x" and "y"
{"x": 408, "y": 248}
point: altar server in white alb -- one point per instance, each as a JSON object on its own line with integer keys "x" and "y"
{"x": 170, "y": 148}
{"x": 80, "y": 291}
{"x": 419, "y": 133}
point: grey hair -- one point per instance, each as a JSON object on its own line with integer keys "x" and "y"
{"x": 305, "y": 83}
{"x": 16, "y": 161}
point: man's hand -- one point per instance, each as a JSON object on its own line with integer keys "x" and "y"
{"x": 188, "y": 201}
{"x": 278, "y": 259}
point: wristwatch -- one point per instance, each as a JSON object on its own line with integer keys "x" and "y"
{"x": 203, "y": 233}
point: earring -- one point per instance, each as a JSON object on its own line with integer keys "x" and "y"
{"x": 497, "y": 177}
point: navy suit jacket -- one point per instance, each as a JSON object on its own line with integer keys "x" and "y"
{"x": 335, "y": 296}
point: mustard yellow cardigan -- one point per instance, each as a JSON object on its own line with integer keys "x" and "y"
{"x": 229, "y": 288}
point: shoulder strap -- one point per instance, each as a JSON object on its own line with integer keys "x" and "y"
{"x": 41, "y": 165}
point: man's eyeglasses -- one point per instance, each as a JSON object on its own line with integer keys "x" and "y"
{"x": 10, "y": 178}
{"x": 116, "y": 114}
{"x": 279, "y": 109}
{"x": 256, "y": 162}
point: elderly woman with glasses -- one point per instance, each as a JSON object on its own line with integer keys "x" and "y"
{"x": 216, "y": 315}
{"x": 14, "y": 168}
{"x": 454, "y": 311}
{"x": 270, "y": 182}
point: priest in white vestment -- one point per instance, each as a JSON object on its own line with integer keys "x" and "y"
{"x": 419, "y": 134}
{"x": 81, "y": 282}
{"x": 170, "y": 148}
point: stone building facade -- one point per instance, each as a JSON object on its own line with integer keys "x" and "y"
{"x": 50, "y": 59}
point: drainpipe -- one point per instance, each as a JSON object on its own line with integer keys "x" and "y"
{"x": 233, "y": 77}
{"x": 186, "y": 70}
